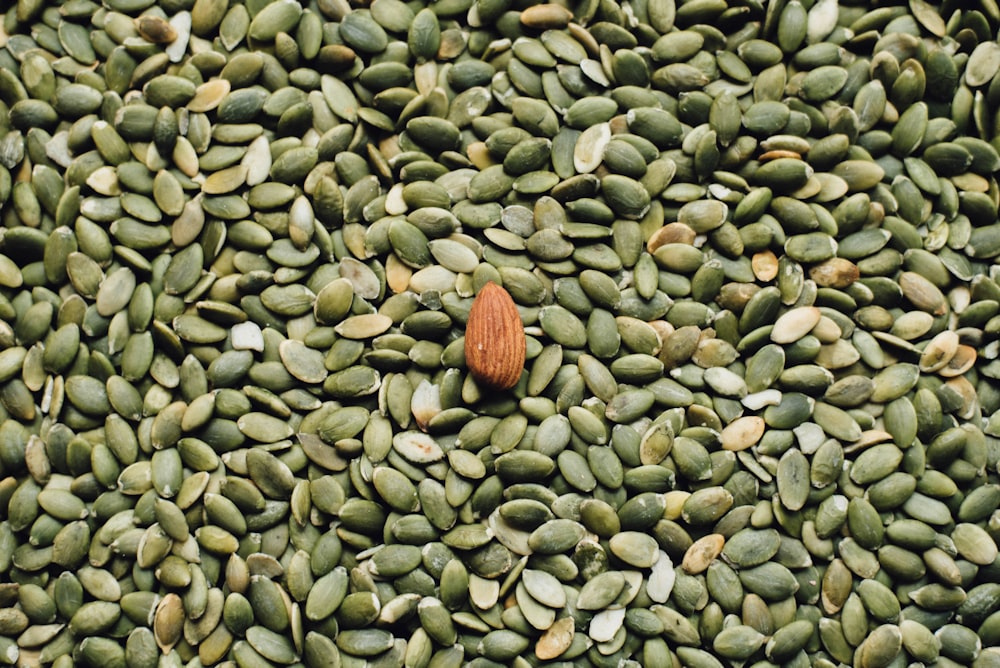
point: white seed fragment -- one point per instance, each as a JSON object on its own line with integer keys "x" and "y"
{"x": 247, "y": 336}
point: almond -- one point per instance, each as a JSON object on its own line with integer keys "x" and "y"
{"x": 494, "y": 339}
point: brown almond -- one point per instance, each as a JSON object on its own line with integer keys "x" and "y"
{"x": 494, "y": 339}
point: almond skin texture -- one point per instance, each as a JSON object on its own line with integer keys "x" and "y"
{"x": 494, "y": 339}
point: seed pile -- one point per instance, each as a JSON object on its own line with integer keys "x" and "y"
{"x": 752, "y": 245}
